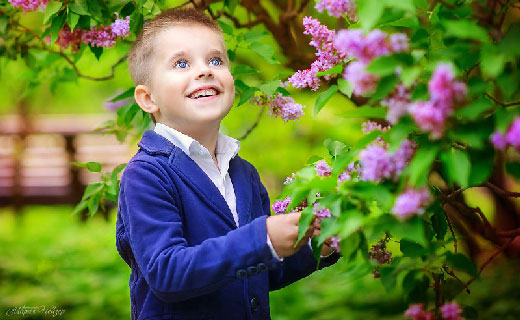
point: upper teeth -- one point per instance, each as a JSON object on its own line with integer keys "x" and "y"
{"x": 205, "y": 92}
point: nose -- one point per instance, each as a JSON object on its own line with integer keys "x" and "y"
{"x": 204, "y": 72}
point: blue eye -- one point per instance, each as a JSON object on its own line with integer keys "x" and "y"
{"x": 181, "y": 64}
{"x": 218, "y": 61}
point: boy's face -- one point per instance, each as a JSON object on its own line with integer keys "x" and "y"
{"x": 191, "y": 81}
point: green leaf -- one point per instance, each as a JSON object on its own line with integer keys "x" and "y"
{"x": 50, "y": 10}
{"x": 411, "y": 249}
{"x": 79, "y": 7}
{"x": 243, "y": 69}
{"x": 366, "y": 112}
{"x": 369, "y": 12}
{"x": 513, "y": 168}
{"x": 466, "y": 29}
{"x": 405, "y": 5}
{"x": 127, "y": 9}
{"x": 384, "y": 87}
{"x": 421, "y": 163}
{"x": 93, "y": 204}
{"x": 397, "y": 133}
{"x": 270, "y": 87}
{"x": 492, "y": 61}
{"x": 370, "y": 191}
{"x": 345, "y": 87}
{"x": 350, "y": 222}
{"x": 265, "y": 51}
{"x": 503, "y": 118}
{"x": 97, "y": 51}
{"x": 461, "y": 262}
{"x": 91, "y": 189}
{"x": 335, "y": 147}
{"x": 94, "y": 8}
{"x": 388, "y": 278}
{"x": 246, "y": 94}
{"x": 254, "y": 35}
{"x": 93, "y": 166}
{"x": 305, "y": 221}
{"x": 72, "y": 20}
{"x": 79, "y": 207}
{"x": 383, "y": 66}
{"x": 130, "y": 113}
{"x": 136, "y": 22}
{"x": 226, "y": 28}
{"x": 3, "y": 23}
{"x": 409, "y": 75}
{"x": 457, "y": 166}
{"x": 337, "y": 69}
{"x": 475, "y": 109}
{"x": 231, "y": 5}
{"x": 481, "y": 165}
{"x": 324, "y": 97}
{"x": 439, "y": 222}
{"x": 328, "y": 228}
{"x": 129, "y": 93}
{"x": 57, "y": 23}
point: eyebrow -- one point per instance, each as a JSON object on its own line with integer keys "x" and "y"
{"x": 183, "y": 53}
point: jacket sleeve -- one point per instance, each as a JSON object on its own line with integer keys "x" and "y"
{"x": 173, "y": 270}
{"x": 299, "y": 265}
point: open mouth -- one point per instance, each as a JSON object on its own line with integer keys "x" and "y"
{"x": 204, "y": 93}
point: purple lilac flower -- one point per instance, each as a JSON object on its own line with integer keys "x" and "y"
{"x": 285, "y": 108}
{"x": 498, "y": 140}
{"x": 337, "y": 8}
{"x": 28, "y": 5}
{"x": 334, "y": 243}
{"x": 451, "y": 311}
{"x": 281, "y": 206}
{"x": 121, "y": 27}
{"x": 416, "y": 312}
{"x": 397, "y": 104}
{"x": 513, "y": 134}
{"x": 289, "y": 179}
{"x": 444, "y": 90}
{"x": 353, "y": 43}
{"x": 347, "y": 174}
{"x": 321, "y": 213}
{"x": 362, "y": 81}
{"x": 428, "y": 118}
{"x": 369, "y": 126}
{"x": 402, "y": 156}
{"x": 375, "y": 163}
{"x": 399, "y": 42}
{"x": 411, "y": 202}
{"x": 305, "y": 78}
{"x": 322, "y": 168}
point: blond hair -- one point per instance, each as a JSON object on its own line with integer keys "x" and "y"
{"x": 140, "y": 56}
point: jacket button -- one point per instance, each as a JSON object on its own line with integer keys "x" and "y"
{"x": 254, "y": 304}
{"x": 261, "y": 267}
{"x": 241, "y": 274}
{"x": 252, "y": 270}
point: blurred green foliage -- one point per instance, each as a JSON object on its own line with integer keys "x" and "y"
{"x": 49, "y": 258}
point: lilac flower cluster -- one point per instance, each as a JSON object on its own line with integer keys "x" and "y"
{"x": 351, "y": 172}
{"x": 280, "y": 106}
{"x": 101, "y": 36}
{"x": 289, "y": 179}
{"x": 445, "y": 94}
{"x": 322, "y": 40}
{"x": 379, "y": 253}
{"x": 377, "y": 163}
{"x": 416, "y": 312}
{"x": 369, "y": 126}
{"x": 337, "y": 8}
{"x": 397, "y": 103}
{"x": 511, "y": 137}
{"x": 28, "y": 5}
{"x": 353, "y": 43}
{"x": 281, "y": 206}
{"x": 451, "y": 311}
{"x": 334, "y": 243}
{"x": 322, "y": 168}
{"x": 411, "y": 202}
{"x": 321, "y": 213}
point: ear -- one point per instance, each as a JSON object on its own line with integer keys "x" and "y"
{"x": 143, "y": 97}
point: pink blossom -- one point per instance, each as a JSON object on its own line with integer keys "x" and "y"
{"x": 451, "y": 311}
{"x": 428, "y": 118}
{"x": 28, "y": 5}
{"x": 416, "y": 312}
{"x": 513, "y": 134}
{"x": 411, "y": 202}
{"x": 349, "y": 171}
{"x": 337, "y": 8}
{"x": 280, "y": 206}
{"x": 285, "y": 108}
{"x": 369, "y": 126}
{"x": 321, "y": 213}
{"x": 498, "y": 140}
{"x": 334, "y": 243}
{"x": 397, "y": 104}
{"x": 399, "y": 42}
{"x": 362, "y": 81}
{"x": 375, "y": 163}
{"x": 121, "y": 27}
{"x": 289, "y": 179}
{"x": 322, "y": 168}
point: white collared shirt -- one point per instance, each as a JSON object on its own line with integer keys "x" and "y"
{"x": 225, "y": 150}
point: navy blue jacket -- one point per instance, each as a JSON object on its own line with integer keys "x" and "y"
{"x": 188, "y": 259}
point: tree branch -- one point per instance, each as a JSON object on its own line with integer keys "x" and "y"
{"x": 452, "y": 232}
{"x": 502, "y": 192}
{"x": 509, "y": 104}
{"x": 262, "y": 110}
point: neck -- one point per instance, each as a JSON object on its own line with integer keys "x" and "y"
{"x": 205, "y": 134}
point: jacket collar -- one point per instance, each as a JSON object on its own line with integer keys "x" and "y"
{"x": 194, "y": 177}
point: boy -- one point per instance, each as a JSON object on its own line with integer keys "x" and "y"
{"x": 193, "y": 218}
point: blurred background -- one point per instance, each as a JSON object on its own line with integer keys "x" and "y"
{"x": 52, "y": 259}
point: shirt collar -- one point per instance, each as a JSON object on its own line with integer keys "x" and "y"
{"x": 191, "y": 147}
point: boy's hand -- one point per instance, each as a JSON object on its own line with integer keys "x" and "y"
{"x": 326, "y": 249}
{"x": 283, "y": 232}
